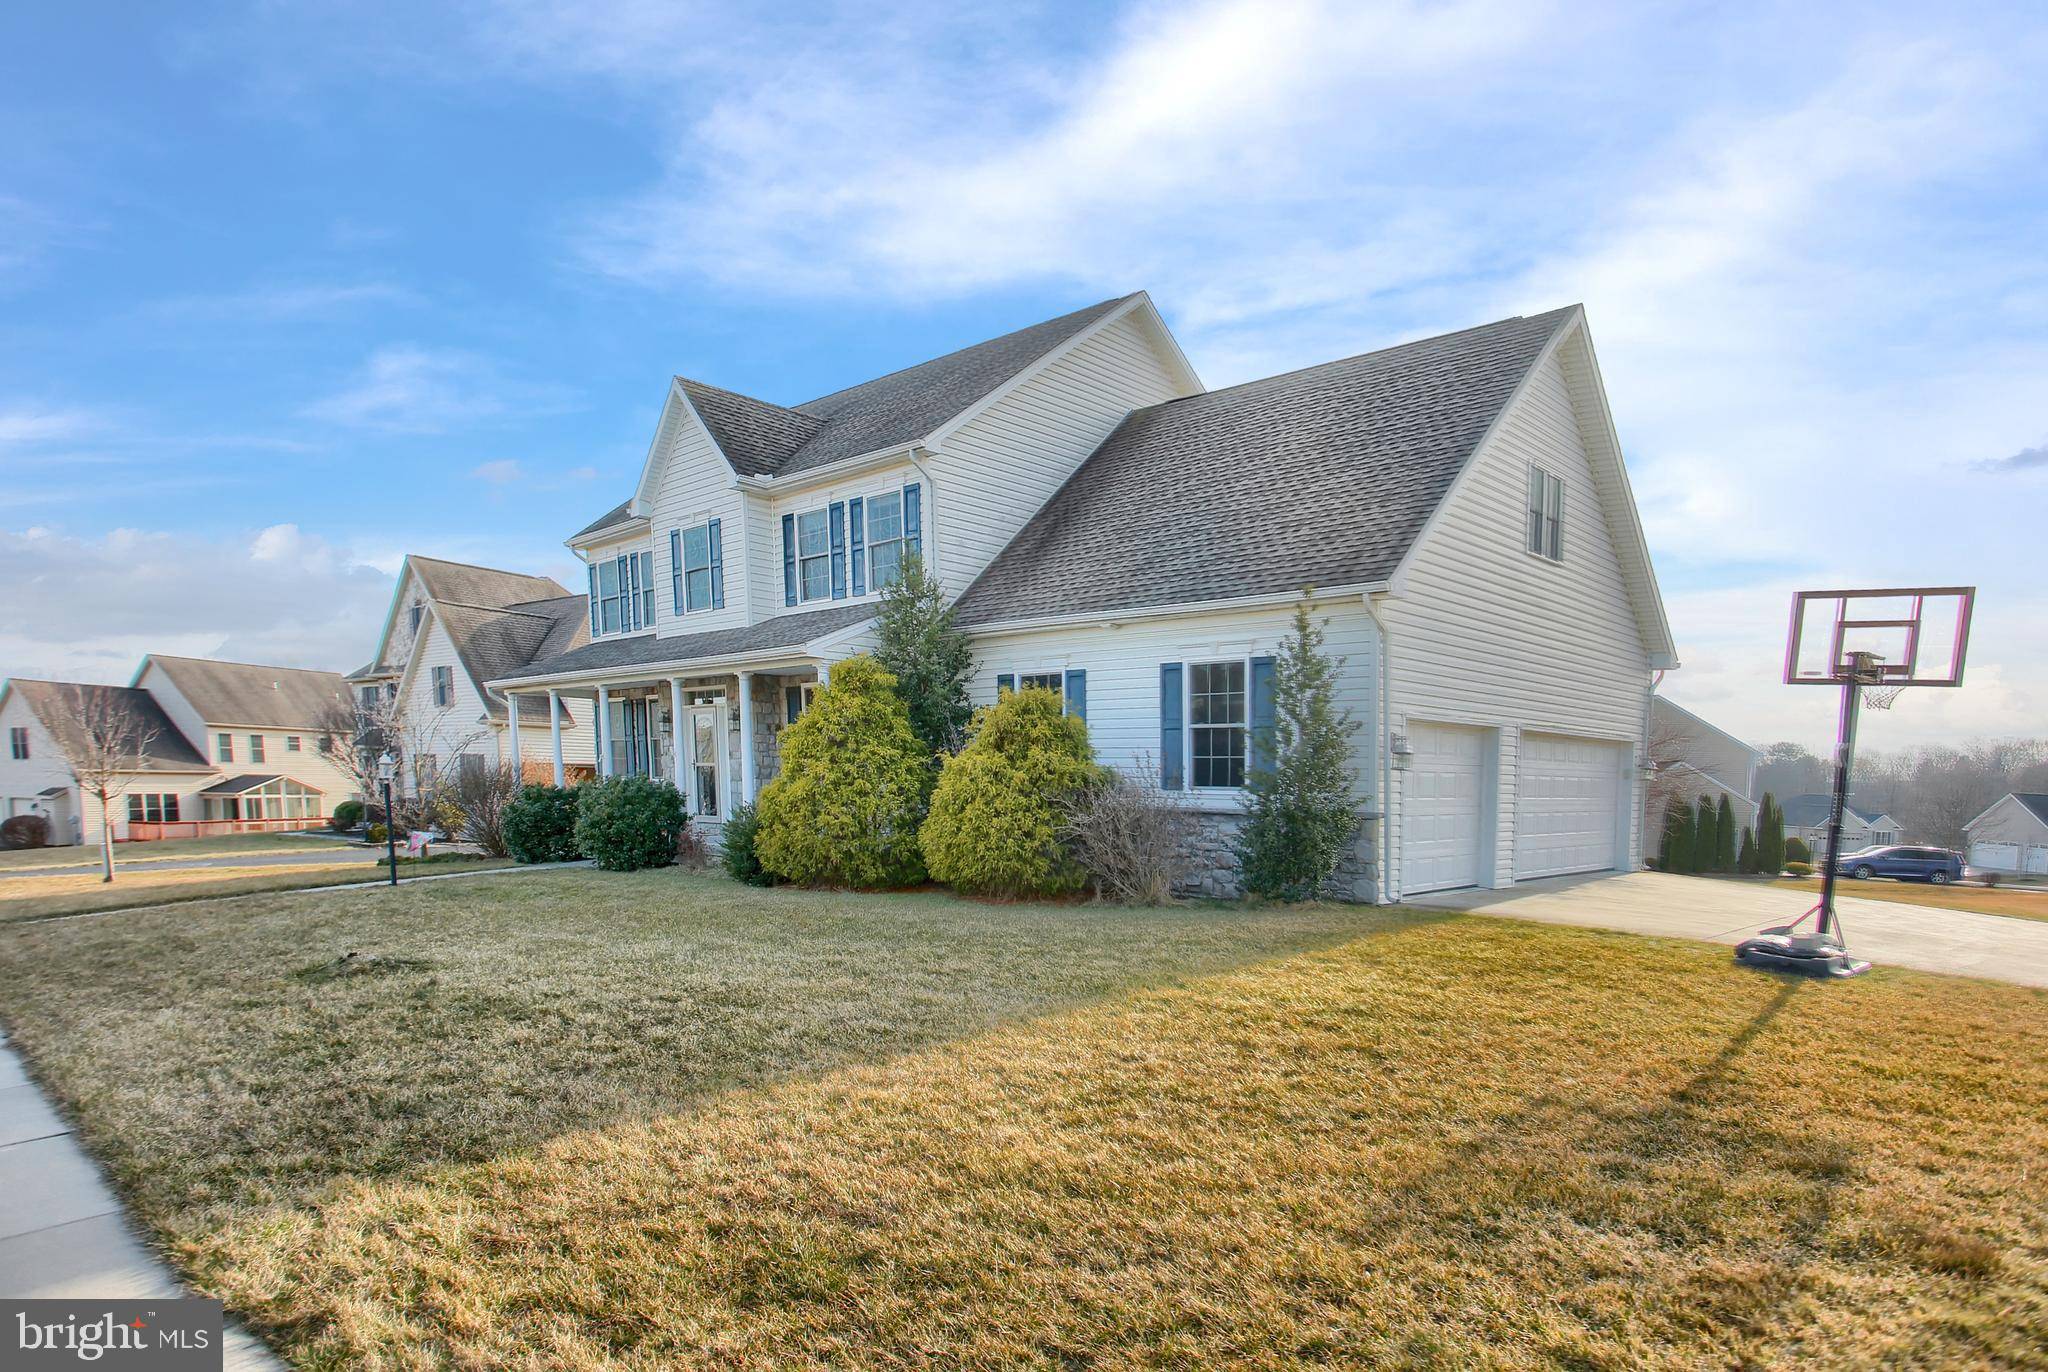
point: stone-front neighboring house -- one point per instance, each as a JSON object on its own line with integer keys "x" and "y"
{"x": 1695, "y": 759}
{"x": 451, "y": 628}
{"x": 233, "y": 746}
{"x": 2011, "y": 837}
{"x": 1115, "y": 531}
{"x": 1806, "y": 818}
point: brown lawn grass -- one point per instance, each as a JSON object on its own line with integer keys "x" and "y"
{"x": 2018, "y": 902}
{"x": 661, "y": 1120}
{"x": 227, "y": 845}
{"x": 83, "y": 893}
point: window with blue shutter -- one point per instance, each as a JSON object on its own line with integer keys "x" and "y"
{"x": 717, "y": 568}
{"x": 675, "y": 566}
{"x": 1077, "y": 695}
{"x": 646, "y": 562}
{"x": 913, "y": 519}
{"x": 789, "y": 559}
{"x": 838, "y": 550}
{"x": 1171, "y": 731}
{"x": 1259, "y": 750}
{"x": 855, "y": 517}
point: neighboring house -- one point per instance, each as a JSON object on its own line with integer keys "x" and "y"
{"x": 1114, "y": 531}
{"x": 450, "y": 629}
{"x": 1806, "y": 818}
{"x": 2011, "y": 836}
{"x": 1693, "y": 758}
{"x": 234, "y": 746}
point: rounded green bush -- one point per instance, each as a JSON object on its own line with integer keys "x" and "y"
{"x": 742, "y": 862}
{"x": 626, "y": 823}
{"x": 540, "y": 824}
{"x": 1799, "y": 869}
{"x": 996, "y": 816}
{"x": 347, "y": 815}
{"x": 1797, "y": 851}
{"x": 845, "y": 809}
{"x": 376, "y": 833}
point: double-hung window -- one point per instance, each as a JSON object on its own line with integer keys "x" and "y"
{"x": 224, "y": 748}
{"x": 444, "y": 686}
{"x": 17, "y": 742}
{"x": 291, "y": 743}
{"x": 153, "y": 808}
{"x": 608, "y": 596}
{"x": 1546, "y": 515}
{"x": 255, "y": 747}
{"x": 696, "y": 569}
{"x": 814, "y": 554}
{"x": 1055, "y": 682}
{"x": 885, "y": 538}
{"x": 623, "y": 591}
{"x": 1217, "y": 718}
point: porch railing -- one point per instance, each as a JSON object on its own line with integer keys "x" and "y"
{"x": 147, "y": 831}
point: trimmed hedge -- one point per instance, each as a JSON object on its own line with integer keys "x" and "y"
{"x": 626, "y": 823}
{"x": 347, "y": 815}
{"x": 997, "y": 815}
{"x": 539, "y": 824}
{"x": 846, "y": 807}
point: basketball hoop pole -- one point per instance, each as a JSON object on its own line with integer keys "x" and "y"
{"x": 1845, "y": 756}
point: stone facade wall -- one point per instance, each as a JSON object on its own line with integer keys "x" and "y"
{"x": 1213, "y": 859}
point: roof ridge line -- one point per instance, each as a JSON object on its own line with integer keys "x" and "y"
{"x": 504, "y": 609}
{"x": 224, "y": 662}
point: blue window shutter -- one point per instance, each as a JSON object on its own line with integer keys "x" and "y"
{"x": 626, "y": 597}
{"x": 592, "y": 569}
{"x": 1005, "y": 683}
{"x": 793, "y": 701}
{"x": 856, "y": 517}
{"x": 839, "y": 550}
{"x": 647, "y": 590}
{"x": 789, "y": 559}
{"x": 717, "y": 568}
{"x": 913, "y": 519}
{"x": 675, "y": 566}
{"x": 1077, "y": 695}
{"x": 1259, "y": 747}
{"x": 1171, "y": 747}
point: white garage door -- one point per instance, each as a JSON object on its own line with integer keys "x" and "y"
{"x": 2037, "y": 861}
{"x": 1995, "y": 857}
{"x": 1440, "y": 808}
{"x": 1567, "y": 803}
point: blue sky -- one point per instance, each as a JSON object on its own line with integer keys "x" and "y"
{"x": 287, "y": 291}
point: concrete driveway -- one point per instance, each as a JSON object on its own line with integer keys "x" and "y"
{"x": 1886, "y": 932}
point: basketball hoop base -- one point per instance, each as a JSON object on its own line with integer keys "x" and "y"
{"x": 1809, "y": 955}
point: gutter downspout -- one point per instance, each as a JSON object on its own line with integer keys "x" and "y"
{"x": 1382, "y": 894}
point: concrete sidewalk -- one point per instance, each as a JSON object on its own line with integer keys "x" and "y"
{"x": 63, "y": 1234}
{"x": 1889, "y": 933}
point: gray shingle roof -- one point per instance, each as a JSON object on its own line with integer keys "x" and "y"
{"x": 466, "y": 584}
{"x": 1805, "y": 812}
{"x": 783, "y": 631}
{"x": 58, "y": 703}
{"x": 616, "y": 514}
{"x": 759, "y": 439}
{"x": 244, "y": 693}
{"x": 1320, "y": 477}
{"x": 2035, "y": 802}
{"x": 494, "y": 642}
{"x": 249, "y": 781}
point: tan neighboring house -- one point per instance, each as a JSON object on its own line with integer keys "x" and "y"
{"x": 2011, "y": 838}
{"x": 451, "y": 628}
{"x": 233, "y": 747}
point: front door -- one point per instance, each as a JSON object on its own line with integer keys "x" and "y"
{"x": 704, "y": 784}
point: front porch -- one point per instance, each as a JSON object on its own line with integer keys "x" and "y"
{"x": 716, "y": 736}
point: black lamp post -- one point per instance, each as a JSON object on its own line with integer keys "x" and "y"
{"x": 387, "y": 768}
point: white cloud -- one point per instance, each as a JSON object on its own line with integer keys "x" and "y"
{"x": 405, "y": 388}
{"x": 24, "y": 426}
{"x": 503, "y": 472}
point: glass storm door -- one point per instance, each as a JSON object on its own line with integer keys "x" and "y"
{"x": 706, "y": 780}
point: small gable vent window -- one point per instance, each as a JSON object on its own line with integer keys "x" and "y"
{"x": 17, "y": 742}
{"x": 444, "y": 686}
{"x": 1546, "y": 515}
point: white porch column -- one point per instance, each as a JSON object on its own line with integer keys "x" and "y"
{"x": 747, "y": 738}
{"x": 512, "y": 734}
{"x": 676, "y": 728}
{"x": 555, "y": 729}
{"x": 604, "y": 731}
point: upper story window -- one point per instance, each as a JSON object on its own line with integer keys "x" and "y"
{"x": 697, "y": 568}
{"x": 1546, "y": 515}
{"x": 17, "y": 742}
{"x": 291, "y": 743}
{"x": 224, "y": 748}
{"x": 622, "y": 594}
{"x": 414, "y": 614}
{"x": 885, "y": 538}
{"x": 1217, "y": 719}
{"x": 814, "y": 554}
{"x": 444, "y": 686}
{"x": 255, "y": 747}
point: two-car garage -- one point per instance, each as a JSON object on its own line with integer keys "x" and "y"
{"x": 1566, "y": 796}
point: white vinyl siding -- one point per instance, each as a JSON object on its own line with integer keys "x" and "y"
{"x": 1485, "y": 635}
{"x": 694, "y": 487}
{"x": 994, "y": 472}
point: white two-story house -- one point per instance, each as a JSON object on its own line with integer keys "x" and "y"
{"x": 1115, "y": 531}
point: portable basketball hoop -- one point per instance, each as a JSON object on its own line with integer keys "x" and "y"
{"x": 1873, "y": 645}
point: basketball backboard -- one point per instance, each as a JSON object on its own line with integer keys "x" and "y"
{"x": 1915, "y": 636}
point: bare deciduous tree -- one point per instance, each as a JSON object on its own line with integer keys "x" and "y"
{"x": 105, "y": 745}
